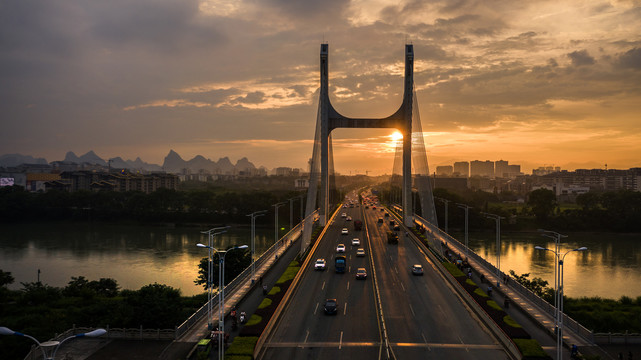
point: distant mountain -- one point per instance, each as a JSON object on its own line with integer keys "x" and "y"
{"x": 176, "y": 164}
{"x": 173, "y": 163}
{"x": 10, "y": 160}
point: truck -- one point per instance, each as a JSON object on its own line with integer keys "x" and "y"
{"x": 340, "y": 263}
{"x": 358, "y": 225}
{"x": 392, "y": 237}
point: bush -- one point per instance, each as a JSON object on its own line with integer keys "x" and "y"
{"x": 242, "y": 345}
{"x": 275, "y": 290}
{"x": 265, "y": 303}
{"x": 254, "y": 319}
{"x": 531, "y": 349}
{"x": 456, "y": 272}
{"x": 511, "y": 322}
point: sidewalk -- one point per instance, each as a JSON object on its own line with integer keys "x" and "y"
{"x": 538, "y": 322}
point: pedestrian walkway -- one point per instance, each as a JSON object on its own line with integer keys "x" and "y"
{"x": 232, "y": 299}
{"x": 504, "y": 287}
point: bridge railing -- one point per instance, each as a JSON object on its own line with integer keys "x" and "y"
{"x": 568, "y": 322}
{"x": 238, "y": 281}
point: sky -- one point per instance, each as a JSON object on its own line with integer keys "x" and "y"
{"x": 537, "y": 83}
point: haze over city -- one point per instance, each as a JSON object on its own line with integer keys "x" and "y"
{"x": 536, "y": 83}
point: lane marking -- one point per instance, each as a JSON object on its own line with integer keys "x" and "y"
{"x": 348, "y": 285}
{"x": 402, "y": 286}
{"x": 340, "y": 344}
{"x": 344, "y": 310}
{"x": 377, "y": 344}
{"x": 316, "y": 308}
{"x": 306, "y": 336}
{"x": 323, "y": 288}
{"x": 411, "y": 309}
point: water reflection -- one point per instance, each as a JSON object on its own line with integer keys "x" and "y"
{"x": 610, "y": 268}
{"x": 133, "y": 255}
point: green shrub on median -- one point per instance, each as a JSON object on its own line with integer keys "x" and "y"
{"x": 242, "y": 346}
{"x": 265, "y": 303}
{"x": 531, "y": 349}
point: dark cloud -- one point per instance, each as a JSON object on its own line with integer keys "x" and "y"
{"x": 631, "y": 59}
{"x": 581, "y": 57}
{"x": 255, "y": 97}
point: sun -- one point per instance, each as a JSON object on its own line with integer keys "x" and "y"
{"x": 396, "y": 136}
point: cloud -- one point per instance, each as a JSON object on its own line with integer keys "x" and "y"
{"x": 581, "y": 57}
{"x": 631, "y": 59}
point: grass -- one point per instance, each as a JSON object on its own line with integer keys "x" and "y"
{"x": 480, "y": 292}
{"x": 494, "y": 305}
{"x": 265, "y": 303}
{"x": 254, "y": 319}
{"x": 530, "y": 348}
{"x": 511, "y": 322}
{"x": 242, "y": 345}
{"x": 456, "y": 272}
{"x": 290, "y": 272}
{"x": 470, "y": 282}
{"x": 275, "y": 290}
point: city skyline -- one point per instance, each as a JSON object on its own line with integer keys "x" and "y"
{"x": 541, "y": 83}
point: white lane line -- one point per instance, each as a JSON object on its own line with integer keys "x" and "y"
{"x": 340, "y": 344}
{"x": 316, "y": 309}
{"x": 323, "y": 288}
{"x": 345, "y": 310}
{"x": 348, "y": 285}
{"x": 306, "y": 336}
{"x": 349, "y": 269}
{"x": 402, "y": 286}
{"x": 412, "y": 310}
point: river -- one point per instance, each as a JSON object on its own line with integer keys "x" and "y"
{"x": 139, "y": 255}
{"x": 610, "y": 268}
{"x": 132, "y": 255}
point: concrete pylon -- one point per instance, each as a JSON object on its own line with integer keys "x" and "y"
{"x": 401, "y": 120}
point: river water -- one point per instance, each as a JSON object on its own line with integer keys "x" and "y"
{"x": 139, "y": 255}
{"x": 610, "y": 268}
{"x": 132, "y": 255}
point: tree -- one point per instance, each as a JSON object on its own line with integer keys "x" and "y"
{"x": 155, "y": 306}
{"x": 536, "y": 285}
{"x": 543, "y": 202}
{"x": 235, "y": 262}
{"x": 6, "y": 278}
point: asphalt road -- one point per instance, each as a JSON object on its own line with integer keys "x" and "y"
{"x": 422, "y": 315}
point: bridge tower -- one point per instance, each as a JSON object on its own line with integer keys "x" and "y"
{"x": 329, "y": 119}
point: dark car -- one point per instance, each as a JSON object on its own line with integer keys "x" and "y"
{"x": 331, "y": 306}
{"x": 380, "y": 220}
{"x": 361, "y": 273}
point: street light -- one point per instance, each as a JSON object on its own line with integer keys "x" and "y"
{"x": 221, "y": 292}
{"x": 559, "y": 296}
{"x": 51, "y": 344}
{"x": 445, "y": 201}
{"x": 253, "y": 216}
{"x": 466, "y": 208}
{"x": 557, "y": 242}
{"x": 210, "y": 269}
{"x": 497, "y": 218}
{"x": 276, "y": 206}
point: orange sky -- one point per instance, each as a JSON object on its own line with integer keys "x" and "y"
{"x": 535, "y": 83}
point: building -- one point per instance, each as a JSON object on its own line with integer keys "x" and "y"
{"x": 482, "y": 168}
{"x": 96, "y": 181}
{"x": 445, "y": 170}
{"x": 462, "y": 168}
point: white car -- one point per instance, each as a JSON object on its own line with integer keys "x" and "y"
{"x": 320, "y": 264}
{"x": 344, "y": 231}
{"x": 356, "y": 242}
{"x": 344, "y": 215}
{"x": 360, "y": 252}
{"x": 340, "y": 248}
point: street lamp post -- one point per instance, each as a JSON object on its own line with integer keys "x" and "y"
{"x": 466, "y": 208}
{"x": 557, "y": 242}
{"x": 559, "y": 296}
{"x": 497, "y": 218}
{"x": 445, "y": 201}
{"x": 221, "y": 296}
{"x": 210, "y": 269}
{"x": 276, "y": 206}
{"x": 253, "y": 216}
{"x": 291, "y": 212}
{"x": 51, "y": 344}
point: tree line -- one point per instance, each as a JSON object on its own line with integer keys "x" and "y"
{"x": 163, "y": 205}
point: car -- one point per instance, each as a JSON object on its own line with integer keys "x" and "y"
{"x": 344, "y": 231}
{"x": 380, "y": 220}
{"x": 349, "y": 218}
{"x": 386, "y": 214}
{"x": 374, "y": 207}
{"x": 361, "y": 273}
{"x": 320, "y": 264}
{"x": 340, "y": 248}
{"x": 382, "y": 209}
{"x": 344, "y": 215}
{"x": 417, "y": 269}
{"x": 356, "y": 241}
{"x": 331, "y": 307}
{"x": 360, "y": 252}
{"x": 366, "y": 206}
{"x": 397, "y": 228}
